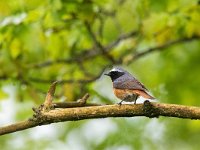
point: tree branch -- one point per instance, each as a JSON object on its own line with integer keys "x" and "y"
{"x": 90, "y": 112}
{"x": 127, "y": 110}
{"x": 86, "y": 54}
{"x": 23, "y": 125}
{"x": 81, "y": 81}
{"x": 160, "y": 48}
{"x": 130, "y": 59}
{"x": 49, "y": 97}
{"x": 97, "y": 43}
{"x": 50, "y": 112}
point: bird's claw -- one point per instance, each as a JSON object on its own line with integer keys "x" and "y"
{"x": 120, "y": 103}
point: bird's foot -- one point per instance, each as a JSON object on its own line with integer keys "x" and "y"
{"x": 120, "y": 103}
{"x": 136, "y": 97}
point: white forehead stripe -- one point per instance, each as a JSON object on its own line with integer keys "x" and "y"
{"x": 116, "y": 69}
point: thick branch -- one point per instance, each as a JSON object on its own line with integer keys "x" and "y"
{"x": 129, "y": 110}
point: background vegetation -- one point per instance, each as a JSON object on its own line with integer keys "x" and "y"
{"x": 75, "y": 41}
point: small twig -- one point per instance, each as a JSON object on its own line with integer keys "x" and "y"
{"x": 159, "y": 48}
{"x": 79, "y": 103}
{"x": 81, "y": 81}
{"x": 101, "y": 26}
{"x": 121, "y": 38}
{"x": 47, "y": 81}
{"x": 98, "y": 44}
{"x": 73, "y": 104}
{"x": 85, "y": 70}
{"x": 49, "y": 97}
{"x": 86, "y": 54}
{"x": 83, "y": 100}
{"x": 46, "y": 106}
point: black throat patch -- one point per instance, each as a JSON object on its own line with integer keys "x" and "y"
{"x": 115, "y": 74}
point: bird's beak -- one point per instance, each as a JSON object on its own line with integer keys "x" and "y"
{"x": 107, "y": 74}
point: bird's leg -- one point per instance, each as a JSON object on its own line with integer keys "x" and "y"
{"x": 120, "y": 103}
{"x": 135, "y": 98}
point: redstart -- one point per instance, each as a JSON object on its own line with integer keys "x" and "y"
{"x": 126, "y": 87}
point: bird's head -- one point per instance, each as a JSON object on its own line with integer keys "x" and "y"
{"x": 115, "y": 73}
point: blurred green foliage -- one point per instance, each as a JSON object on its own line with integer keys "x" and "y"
{"x": 76, "y": 40}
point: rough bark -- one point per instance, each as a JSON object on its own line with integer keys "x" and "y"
{"x": 50, "y": 112}
{"x": 104, "y": 111}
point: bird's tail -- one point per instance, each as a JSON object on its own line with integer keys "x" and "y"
{"x": 144, "y": 94}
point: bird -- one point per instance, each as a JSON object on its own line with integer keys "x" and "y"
{"x": 126, "y": 87}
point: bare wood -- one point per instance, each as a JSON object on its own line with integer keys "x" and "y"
{"x": 79, "y": 103}
{"x": 129, "y": 110}
{"x": 49, "y": 96}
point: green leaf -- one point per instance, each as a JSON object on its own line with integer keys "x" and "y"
{"x": 15, "y": 48}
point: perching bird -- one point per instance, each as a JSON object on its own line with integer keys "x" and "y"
{"x": 126, "y": 87}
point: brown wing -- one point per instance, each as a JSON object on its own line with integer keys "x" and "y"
{"x": 143, "y": 94}
{"x": 130, "y": 84}
{"x": 123, "y": 93}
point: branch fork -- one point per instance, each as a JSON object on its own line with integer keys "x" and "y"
{"x": 48, "y": 105}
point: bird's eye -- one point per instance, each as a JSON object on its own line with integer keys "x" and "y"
{"x": 114, "y": 72}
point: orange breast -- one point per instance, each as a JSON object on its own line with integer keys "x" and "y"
{"x": 121, "y": 94}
